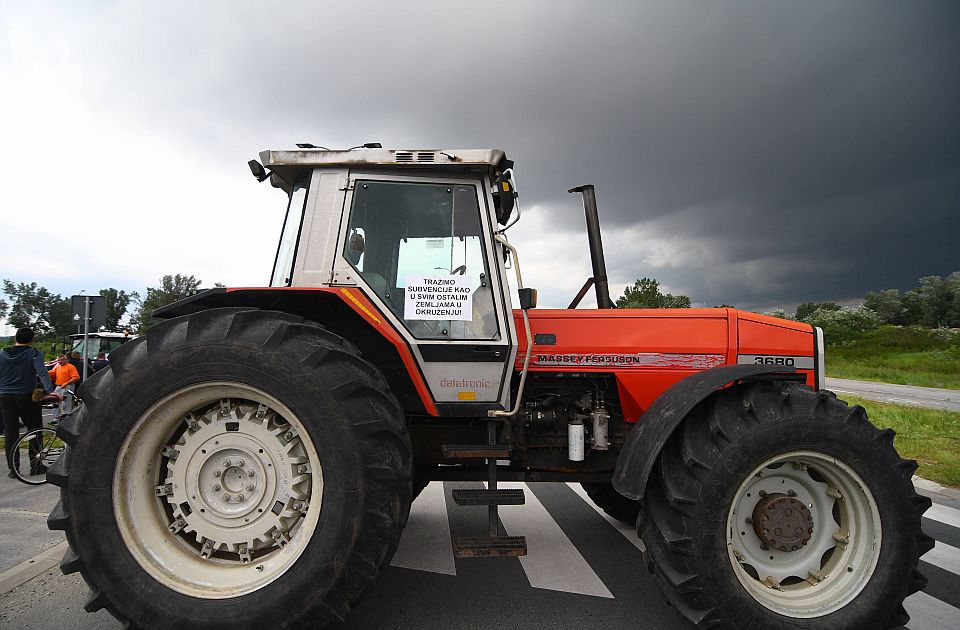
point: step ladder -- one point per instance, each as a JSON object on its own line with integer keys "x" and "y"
{"x": 494, "y": 543}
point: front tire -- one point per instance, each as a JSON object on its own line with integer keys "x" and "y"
{"x": 233, "y": 468}
{"x": 774, "y": 506}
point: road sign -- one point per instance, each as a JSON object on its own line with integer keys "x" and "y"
{"x": 98, "y": 310}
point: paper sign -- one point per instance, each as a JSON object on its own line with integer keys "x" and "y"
{"x": 439, "y": 298}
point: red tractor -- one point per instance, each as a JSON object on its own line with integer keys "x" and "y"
{"x": 251, "y": 461}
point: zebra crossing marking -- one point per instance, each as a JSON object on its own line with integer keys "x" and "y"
{"x": 552, "y": 562}
{"x": 943, "y": 514}
{"x": 628, "y": 532}
{"x": 929, "y": 613}
{"x": 425, "y": 544}
{"x": 945, "y": 556}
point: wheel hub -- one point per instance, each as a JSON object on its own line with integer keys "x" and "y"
{"x": 782, "y": 522}
{"x": 230, "y": 483}
{"x": 239, "y": 479}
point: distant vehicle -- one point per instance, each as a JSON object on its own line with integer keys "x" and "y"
{"x": 105, "y": 342}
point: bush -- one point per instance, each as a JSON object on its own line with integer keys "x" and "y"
{"x": 843, "y": 326}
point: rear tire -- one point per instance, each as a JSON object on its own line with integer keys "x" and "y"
{"x": 246, "y": 449}
{"x": 612, "y": 502}
{"x": 767, "y": 456}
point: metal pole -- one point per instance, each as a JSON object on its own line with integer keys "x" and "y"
{"x": 86, "y": 334}
{"x": 596, "y": 245}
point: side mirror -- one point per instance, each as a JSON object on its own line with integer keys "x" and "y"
{"x": 528, "y": 298}
{"x": 258, "y": 171}
{"x": 504, "y": 198}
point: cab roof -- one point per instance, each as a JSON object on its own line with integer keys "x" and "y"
{"x": 290, "y": 164}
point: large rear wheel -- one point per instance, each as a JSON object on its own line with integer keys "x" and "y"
{"x": 774, "y": 506}
{"x": 233, "y": 468}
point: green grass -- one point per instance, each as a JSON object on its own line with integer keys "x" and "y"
{"x": 907, "y": 355}
{"x": 930, "y": 436}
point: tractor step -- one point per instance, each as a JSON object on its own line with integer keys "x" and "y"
{"x": 488, "y": 497}
{"x": 476, "y": 451}
{"x": 485, "y": 546}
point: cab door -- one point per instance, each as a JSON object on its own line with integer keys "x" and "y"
{"x": 421, "y": 249}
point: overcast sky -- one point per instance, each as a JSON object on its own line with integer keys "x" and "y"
{"x": 752, "y": 153}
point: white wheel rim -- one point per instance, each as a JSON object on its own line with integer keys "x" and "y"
{"x": 839, "y": 558}
{"x": 217, "y": 490}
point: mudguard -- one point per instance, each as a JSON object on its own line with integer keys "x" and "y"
{"x": 644, "y": 443}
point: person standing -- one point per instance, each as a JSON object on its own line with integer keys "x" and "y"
{"x": 20, "y": 367}
{"x": 65, "y": 377}
{"x": 101, "y": 362}
{"x": 77, "y": 362}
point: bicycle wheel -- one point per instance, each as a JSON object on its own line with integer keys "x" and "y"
{"x": 46, "y": 448}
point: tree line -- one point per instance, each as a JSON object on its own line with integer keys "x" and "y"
{"x": 29, "y": 305}
{"x": 934, "y": 302}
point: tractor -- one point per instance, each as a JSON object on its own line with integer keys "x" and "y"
{"x": 251, "y": 460}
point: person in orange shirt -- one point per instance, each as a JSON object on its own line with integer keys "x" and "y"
{"x": 65, "y": 377}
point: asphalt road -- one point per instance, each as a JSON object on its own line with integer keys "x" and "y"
{"x": 931, "y": 397}
{"x": 582, "y": 570}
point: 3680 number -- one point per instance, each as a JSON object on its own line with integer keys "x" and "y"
{"x": 785, "y": 361}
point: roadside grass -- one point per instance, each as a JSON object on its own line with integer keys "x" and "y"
{"x": 930, "y": 436}
{"x": 906, "y": 355}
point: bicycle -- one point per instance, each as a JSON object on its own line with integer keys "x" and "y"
{"x": 43, "y": 447}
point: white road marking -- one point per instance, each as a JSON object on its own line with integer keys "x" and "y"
{"x": 552, "y": 561}
{"x": 628, "y": 532}
{"x": 29, "y": 569}
{"x": 929, "y": 613}
{"x": 945, "y": 556}
{"x": 944, "y": 514}
{"x": 425, "y": 544}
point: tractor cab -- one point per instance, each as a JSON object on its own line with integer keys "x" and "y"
{"x": 414, "y": 230}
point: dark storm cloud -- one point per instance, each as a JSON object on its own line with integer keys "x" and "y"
{"x": 808, "y": 150}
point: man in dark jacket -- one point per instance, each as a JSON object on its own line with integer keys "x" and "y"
{"x": 101, "y": 362}
{"x": 20, "y": 367}
{"x": 77, "y": 362}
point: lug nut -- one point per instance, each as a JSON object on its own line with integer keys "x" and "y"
{"x": 216, "y": 487}
{"x": 302, "y": 469}
{"x": 249, "y": 473}
{"x": 226, "y": 497}
{"x": 239, "y": 498}
{"x": 226, "y": 463}
{"x": 791, "y": 493}
{"x": 242, "y": 463}
{"x": 217, "y": 473}
{"x": 250, "y": 487}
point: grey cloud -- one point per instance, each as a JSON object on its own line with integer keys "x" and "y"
{"x": 812, "y": 150}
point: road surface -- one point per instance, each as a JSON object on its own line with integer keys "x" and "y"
{"x": 931, "y": 397}
{"x": 582, "y": 570}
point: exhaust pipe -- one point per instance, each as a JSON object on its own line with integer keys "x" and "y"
{"x": 596, "y": 246}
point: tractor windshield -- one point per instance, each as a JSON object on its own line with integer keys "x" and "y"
{"x": 419, "y": 248}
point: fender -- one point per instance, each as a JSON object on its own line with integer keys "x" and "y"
{"x": 644, "y": 443}
{"x": 342, "y": 310}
